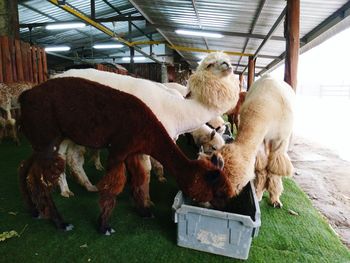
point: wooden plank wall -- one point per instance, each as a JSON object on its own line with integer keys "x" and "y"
{"x": 21, "y": 62}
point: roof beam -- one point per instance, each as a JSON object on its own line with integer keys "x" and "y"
{"x": 313, "y": 35}
{"x": 100, "y": 27}
{"x": 120, "y": 13}
{"x": 269, "y": 35}
{"x": 48, "y": 16}
{"x": 225, "y": 33}
{"x": 252, "y": 27}
{"x": 199, "y": 21}
{"x": 98, "y": 20}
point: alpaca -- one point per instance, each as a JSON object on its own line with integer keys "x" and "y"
{"x": 178, "y": 115}
{"x": 9, "y": 94}
{"x": 89, "y": 114}
{"x": 180, "y": 88}
{"x": 265, "y": 116}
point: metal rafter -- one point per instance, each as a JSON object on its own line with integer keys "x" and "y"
{"x": 339, "y": 15}
{"x": 160, "y": 32}
{"x": 252, "y": 27}
{"x": 52, "y": 18}
{"x": 120, "y": 13}
{"x": 224, "y": 33}
{"x": 100, "y": 27}
{"x": 199, "y": 21}
{"x": 269, "y": 35}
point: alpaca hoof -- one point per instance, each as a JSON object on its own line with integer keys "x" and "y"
{"x": 277, "y": 204}
{"x": 109, "y": 231}
{"x": 99, "y": 167}
{"x": 67, "y": 227}
{"x": 67, "y": 194}
{"x": 91, "y": 188}
{"x": 162, "y": 179}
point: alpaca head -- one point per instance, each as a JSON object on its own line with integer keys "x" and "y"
{"x": 207, "y": 182}
{"x": 213, "y": 83}
{"x": 238, "y": 167}
{"x": 217, "y": 63}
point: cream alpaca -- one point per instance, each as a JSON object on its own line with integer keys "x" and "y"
{"x": 9, "y": 94}
{"x": 266, "y": 115}
{"x": 174, "y": 112}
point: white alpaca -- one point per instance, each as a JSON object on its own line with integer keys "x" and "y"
{"x": 266, "y": 117}
{"x": 181, "y": 89}
{"x": 178, "y": 115}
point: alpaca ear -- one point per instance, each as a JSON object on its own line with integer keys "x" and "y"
{"x": 218, "y": 161}
{"x": 212, "y": 134}
{"x": 212, "y": 177}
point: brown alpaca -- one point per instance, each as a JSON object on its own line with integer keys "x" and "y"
{"x": 90, "y": 114}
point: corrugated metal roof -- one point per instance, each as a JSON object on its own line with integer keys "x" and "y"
{"x": 235, "y": 19}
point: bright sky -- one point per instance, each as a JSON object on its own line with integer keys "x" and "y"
{"x": 324, "y": 120}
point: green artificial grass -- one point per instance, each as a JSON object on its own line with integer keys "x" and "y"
{"x": 282, "y": 237}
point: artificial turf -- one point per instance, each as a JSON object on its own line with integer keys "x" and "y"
{"x": 282, "y": 237}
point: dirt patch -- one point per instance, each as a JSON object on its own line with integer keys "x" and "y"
{"x": 326, "y": 179}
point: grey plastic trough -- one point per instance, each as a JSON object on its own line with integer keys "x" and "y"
{"x": 223, "y": 233}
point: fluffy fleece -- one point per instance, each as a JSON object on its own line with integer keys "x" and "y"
{"x": 213, "y": 83}
{"x": 175, "y": 113}
{"x": 266, "y": 115}
{"x": 89, "y": 114}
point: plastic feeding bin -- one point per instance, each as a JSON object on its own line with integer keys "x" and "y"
{"x": 219, "y": 232}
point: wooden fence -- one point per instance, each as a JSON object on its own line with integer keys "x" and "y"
{"x": 21, "y": 62}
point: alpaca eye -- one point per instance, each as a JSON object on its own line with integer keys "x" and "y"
{"x": 210, "y": 65}
{"x": 213, "y": 148}
{"x": 225, "y": 63}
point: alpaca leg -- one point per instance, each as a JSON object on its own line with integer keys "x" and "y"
{"x": 13, "y": 130}
{"x": 109, "y": 187}
{"x": 158, "y": 170}
{"x": 62, "y": 181}
{"x": 42, "y": 176}
{"x": 275, "y": 189}
{"x": 97, "y": 160}
{"x": 279, "y": 162}
{"x": 139, "y": 168}
{"x": 260, "y": 183}
{"x": 75, "y": 160}
{"x": 23, "y": 180}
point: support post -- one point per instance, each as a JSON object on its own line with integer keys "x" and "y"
{"x": 241, "y": 82}
{"x": 251, "y": 71}
{"x": 9, "y": 25}
{"x": 164, "y": 73}
{"x": 92, "y": 9}
{"x": 291, "y": 33}
{"x": 132, "y": 52}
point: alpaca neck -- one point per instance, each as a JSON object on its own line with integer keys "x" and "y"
{"x": 190, "y": 115}
{"x": 170, "y": 156}
{"x": 250, "y": 136}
